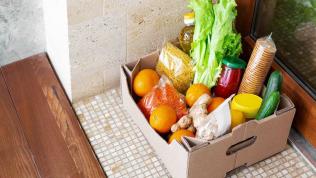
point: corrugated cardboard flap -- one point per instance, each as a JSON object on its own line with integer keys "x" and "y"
{"x": 212, "y": 159}
{"x": 174, "y": 155}
{"x": 271, "y": 134}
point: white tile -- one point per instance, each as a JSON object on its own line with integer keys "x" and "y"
{"x": 123, "y": 145}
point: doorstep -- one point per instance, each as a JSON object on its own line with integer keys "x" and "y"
{"x": 40, "y": 135}
{"x": 123, "y": 150}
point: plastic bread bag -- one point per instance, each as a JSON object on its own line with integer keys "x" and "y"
{"x": 216, "y": 124}
{"x": 163, "y": 93}
{"x": 177, "y": 66}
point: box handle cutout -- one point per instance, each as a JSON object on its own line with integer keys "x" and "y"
{"x": 241, "y": 145}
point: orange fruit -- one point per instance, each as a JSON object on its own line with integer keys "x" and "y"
{"x": 194, "y": 92}
{"x": 237, "y": 118}
{"x": 162, "y": 118}
{"x": 144, "y": 81}
{"x": 180, "y": 133}
{"x": 216, "y": 101}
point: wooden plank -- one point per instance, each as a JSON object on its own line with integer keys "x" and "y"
{"x": 15, "y": 155}
{"x": 305, "y": 117}
{"x": 59, "y": 145}
{"x": 71, "y": 130}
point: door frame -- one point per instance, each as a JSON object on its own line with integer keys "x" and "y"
{"x": 305, "y": 118}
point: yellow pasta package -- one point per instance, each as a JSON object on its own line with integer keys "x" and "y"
{"x": 177, "y": 66}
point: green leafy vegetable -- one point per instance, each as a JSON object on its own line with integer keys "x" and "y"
{"x": 214, "y": 38}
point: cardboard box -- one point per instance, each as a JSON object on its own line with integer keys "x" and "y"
{"x": 247, "y": 144}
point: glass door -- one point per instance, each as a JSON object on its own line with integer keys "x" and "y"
{"x": 293, "y": 24}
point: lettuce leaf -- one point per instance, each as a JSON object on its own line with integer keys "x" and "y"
{"x": 214, "y": 38}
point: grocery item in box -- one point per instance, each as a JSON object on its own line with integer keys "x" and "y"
{"x": 258, "y": 66}
{"x": 249, "y": 104}
{"x": 269, "y": 105}
{"x": 163, "y": 93}
{"x": 177, "y": 66}
{"x": 144, "y": 81}
{"x": 214, "y": 38}
{"x": 230, "y": 78}
{"x": 187, "y": 32}
{"x": 274, "y": 84}
{"x": 216, "y": 124}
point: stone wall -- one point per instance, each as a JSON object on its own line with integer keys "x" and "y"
{"x": 21, "y": 29}
{"x": 106, "y": 33}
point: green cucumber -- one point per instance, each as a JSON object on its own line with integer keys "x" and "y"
{"x": 274, "y": 84}
{"x": 269, "y": 105}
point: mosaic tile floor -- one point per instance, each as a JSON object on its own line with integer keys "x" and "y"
{"x": 124, "y": 152}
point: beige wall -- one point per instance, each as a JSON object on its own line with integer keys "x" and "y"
{"x": 105, "y": 33}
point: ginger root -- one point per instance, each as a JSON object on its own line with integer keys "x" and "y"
{"x": 175, "y": 127}
{"x": 199, "y": 110}
{"x": 183, "y": 123}
{"x": 197, "y": 114}
{"x": 192, "y": 128}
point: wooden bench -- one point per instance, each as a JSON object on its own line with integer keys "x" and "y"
{"x": 40, "y": 135}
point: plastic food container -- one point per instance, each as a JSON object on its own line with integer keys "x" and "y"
{"x": 249, "y": 104}
{"x": 231, "y": 75}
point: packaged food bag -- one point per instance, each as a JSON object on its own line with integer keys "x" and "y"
{"x": 177, "y": 66}
{"x": 258, "y": 66}
{"x": 163, "y": 93}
